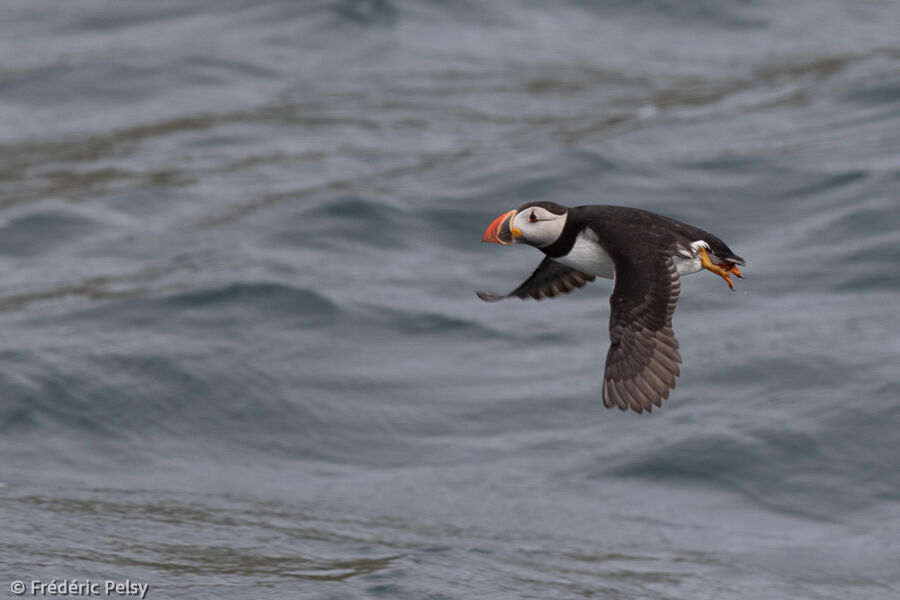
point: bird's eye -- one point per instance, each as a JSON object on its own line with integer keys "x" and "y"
{"x": 532, "y": 218}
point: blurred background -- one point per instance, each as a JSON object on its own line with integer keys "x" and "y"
{"x": 241, "y": 352}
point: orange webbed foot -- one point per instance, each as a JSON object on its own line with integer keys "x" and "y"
{"x": 723, "y": 270}
{"x": 732, "y": 269}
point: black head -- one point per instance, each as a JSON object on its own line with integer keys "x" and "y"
{"x": 535, "y": 223}
{"x": 553, "y": 207}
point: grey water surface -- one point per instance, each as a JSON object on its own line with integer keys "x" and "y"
{"x": 241, "y": 353}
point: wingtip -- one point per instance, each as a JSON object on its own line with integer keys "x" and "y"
{"x": 488, "y": 297}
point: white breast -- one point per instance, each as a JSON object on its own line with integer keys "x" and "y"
{"x": 686, "y": 266}
{"x": 687, "y": 260}
{"x": 588, "y": 256}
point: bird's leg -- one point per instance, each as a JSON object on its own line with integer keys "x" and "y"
{"x": 724, "y": 270}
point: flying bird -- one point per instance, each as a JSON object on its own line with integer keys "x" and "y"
{"x": 645, "y": 254}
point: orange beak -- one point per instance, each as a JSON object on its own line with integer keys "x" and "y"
{"x": 499, "y": 231}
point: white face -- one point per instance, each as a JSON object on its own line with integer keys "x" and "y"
{"x": 537, "y": 226}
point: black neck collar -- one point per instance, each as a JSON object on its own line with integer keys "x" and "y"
{"x": 565, "y": 241}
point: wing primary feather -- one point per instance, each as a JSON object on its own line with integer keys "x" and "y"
{"x": 549, "y": 279}
{"x": 642, "y": 362}
{"x": 489, "y": 297}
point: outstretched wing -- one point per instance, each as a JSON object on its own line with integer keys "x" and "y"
{"x": 642, "y": 362}
{"x": 548, "y": 280}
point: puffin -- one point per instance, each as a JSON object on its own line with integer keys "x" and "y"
{"x": 645, "y": 254}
